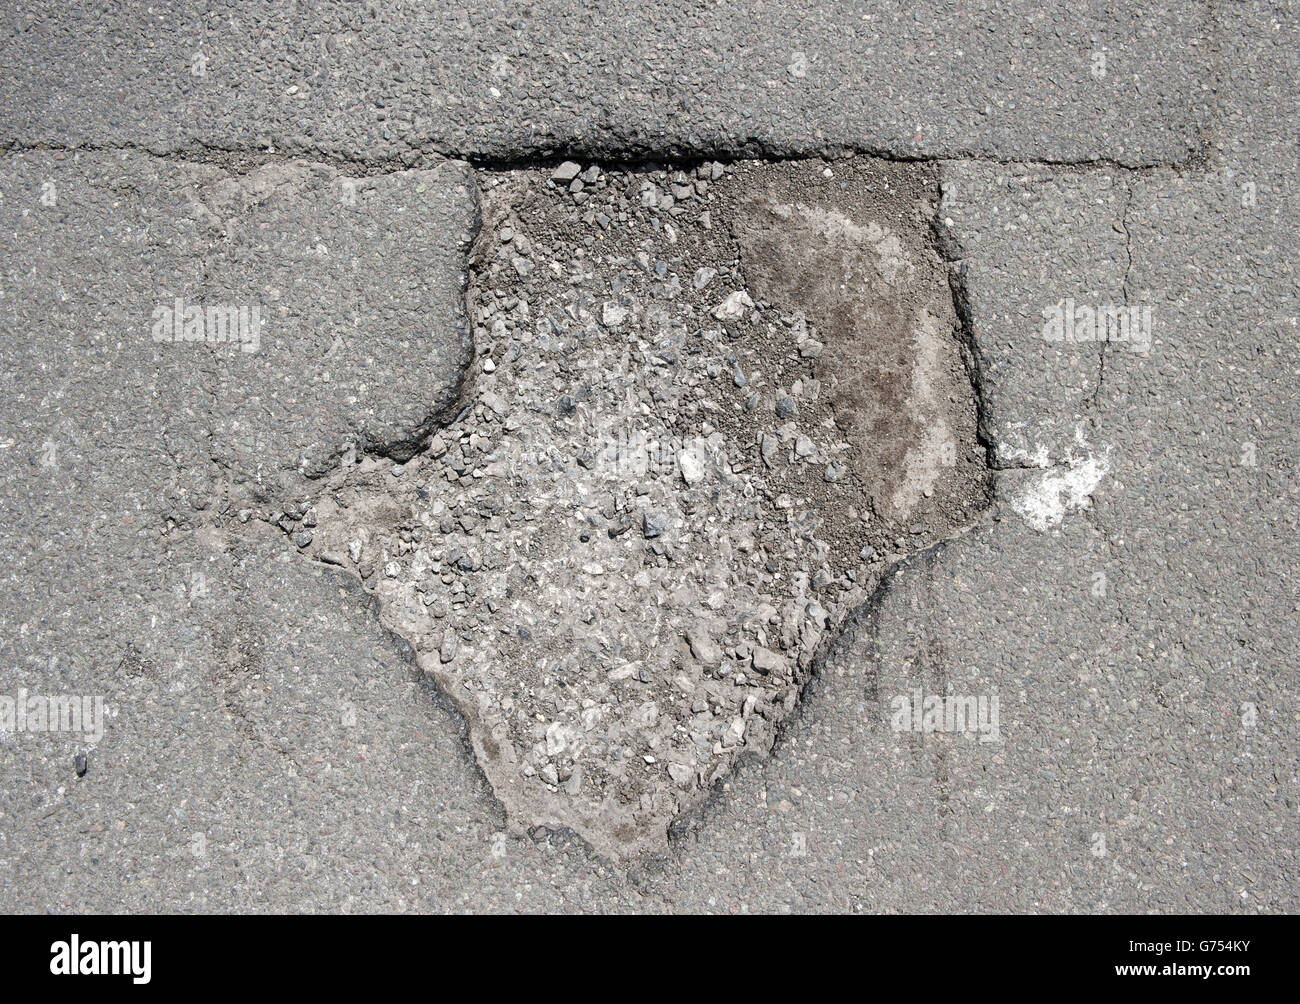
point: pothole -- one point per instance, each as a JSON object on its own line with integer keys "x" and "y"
{"x": 708, "y": 409}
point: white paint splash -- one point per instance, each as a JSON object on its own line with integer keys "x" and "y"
{"x": 1065, "y": 488}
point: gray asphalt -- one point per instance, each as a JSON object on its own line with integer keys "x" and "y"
{"x": 395, "y": 80}
{"x": 1128, "y": 596}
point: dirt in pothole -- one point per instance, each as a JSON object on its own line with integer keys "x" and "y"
{"x": 707, "y": 409}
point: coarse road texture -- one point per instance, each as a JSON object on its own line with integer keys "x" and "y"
{"x": 1125, "y": 588}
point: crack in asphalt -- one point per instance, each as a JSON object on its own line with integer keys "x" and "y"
{"x": 1124, "y": 287}
{"x": 241, "y": 159}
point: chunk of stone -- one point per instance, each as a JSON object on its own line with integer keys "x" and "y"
{"x": 765, "y": 660}
{"x": 682, "y": 775}
{"x": 691, "y": 465}
{"x": 733, "y": 307}
{"x": 653, "y": 524}
{"x": 703, "y": 647}
{"x": 566, "y": 172}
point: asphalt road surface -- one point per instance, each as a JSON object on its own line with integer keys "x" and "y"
{"x": 255, "y": 261}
